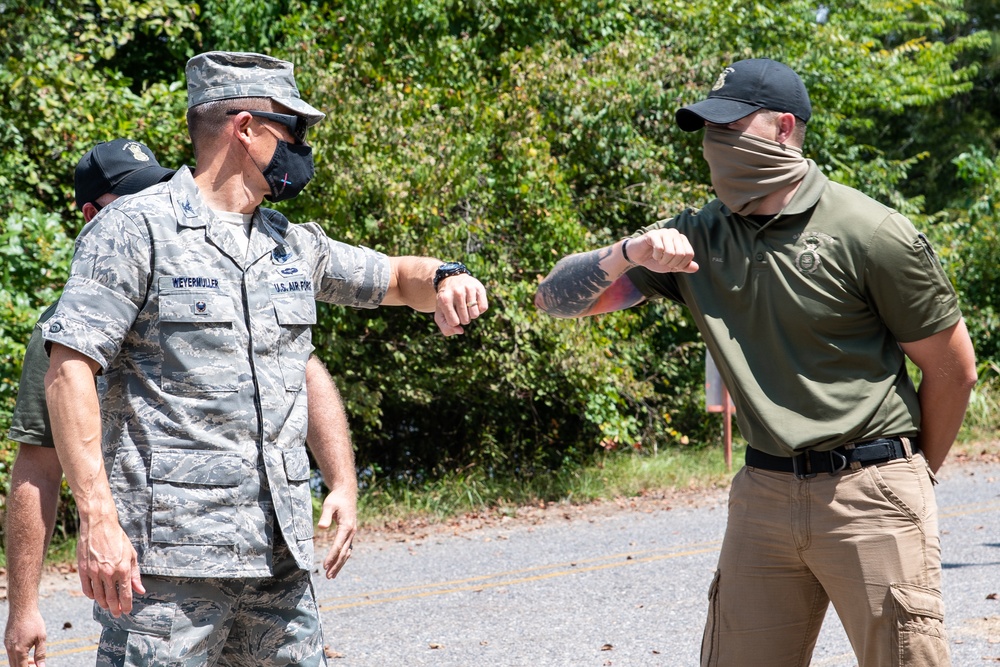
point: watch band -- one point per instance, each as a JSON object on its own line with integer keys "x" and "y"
{"x": 447, "y": 270}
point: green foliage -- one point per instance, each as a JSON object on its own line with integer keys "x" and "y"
{"x": 506, "y": 134}
{"x": 971, "y": 243}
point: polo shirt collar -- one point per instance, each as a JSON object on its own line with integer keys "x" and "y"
{"x": 808, "y": 193}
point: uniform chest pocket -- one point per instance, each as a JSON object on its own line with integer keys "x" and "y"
{"x": 295, "y": 315}
{"x": 198, "y": 341}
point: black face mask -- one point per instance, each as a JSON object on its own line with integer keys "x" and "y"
{"x": 289, "y": 171}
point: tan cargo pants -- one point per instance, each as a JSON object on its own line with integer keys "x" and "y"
{"x": 867, "y": 540}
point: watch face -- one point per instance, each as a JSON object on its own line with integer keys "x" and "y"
{"x": 448, "y": 269}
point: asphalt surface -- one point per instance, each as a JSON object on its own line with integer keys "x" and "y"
{"x": 612, "y": 584}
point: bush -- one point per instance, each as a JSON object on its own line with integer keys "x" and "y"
{"x": 505, "y": 135}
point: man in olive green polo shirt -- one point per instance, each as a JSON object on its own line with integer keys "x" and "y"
{"x": 810, "y": 296}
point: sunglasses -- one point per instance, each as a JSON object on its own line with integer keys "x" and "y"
{"x": 295, "y": 124}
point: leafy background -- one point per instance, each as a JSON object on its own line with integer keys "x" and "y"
{"x": 506, "y": 134}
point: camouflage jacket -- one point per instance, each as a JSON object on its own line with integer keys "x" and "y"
{"x": 204, "y": 350}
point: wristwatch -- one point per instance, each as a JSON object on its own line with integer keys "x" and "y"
{"x": 447, "y": 270}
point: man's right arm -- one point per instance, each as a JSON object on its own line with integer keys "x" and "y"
{"x": 34, "y": 494}
{"x": 107, "y": 561}
{"x": 591, "y": 283}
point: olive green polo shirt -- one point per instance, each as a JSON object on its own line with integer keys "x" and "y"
{"x": 29, "y": 425}
{"x": 804, "y": 314}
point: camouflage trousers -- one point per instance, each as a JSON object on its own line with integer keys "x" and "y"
{"x": 183, "y": 622}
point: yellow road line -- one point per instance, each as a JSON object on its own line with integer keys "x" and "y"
{"x": 563, "y": 570}
{"x": 973, "y": 509}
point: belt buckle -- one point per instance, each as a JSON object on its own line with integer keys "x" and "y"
{"x": 801, "y": 463}
{"x": 797, "y": 465}
{"x": 838, "y": 468}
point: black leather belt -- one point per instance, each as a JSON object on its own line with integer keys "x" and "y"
{"x": 811, "y": 462}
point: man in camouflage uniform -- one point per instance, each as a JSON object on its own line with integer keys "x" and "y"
{"x": 198, "y": 305}
{"x": 106, "y": 172}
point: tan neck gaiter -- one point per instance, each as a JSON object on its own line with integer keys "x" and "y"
{"x": 745, "y": 168}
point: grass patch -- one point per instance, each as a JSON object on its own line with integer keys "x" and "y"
{"x": 609, "y": 476}
{"x": 982, "y": 417}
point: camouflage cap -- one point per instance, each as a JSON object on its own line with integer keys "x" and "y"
{"x": 221, "y": 75}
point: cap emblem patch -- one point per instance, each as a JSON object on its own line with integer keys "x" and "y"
{"x": 721, "y": 81}
{"x": 136, "y": 151}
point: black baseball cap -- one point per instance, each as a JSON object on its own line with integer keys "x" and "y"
{"x": 119, "y": 167}
{"x": 744, "y": 87}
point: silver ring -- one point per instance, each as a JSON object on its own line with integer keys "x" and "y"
{"x": 470, "y": 305}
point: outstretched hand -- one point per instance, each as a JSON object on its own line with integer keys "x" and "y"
{"x": 663, "y": 251}
{"x": 460, "y": 299}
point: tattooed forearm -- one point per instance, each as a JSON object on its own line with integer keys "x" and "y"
{"x": 574, "y": 285}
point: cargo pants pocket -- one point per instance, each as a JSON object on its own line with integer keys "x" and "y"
{"x": 919, "y": 638}
{"x": 141, "y": 638}
{"x": 710, "y": 640}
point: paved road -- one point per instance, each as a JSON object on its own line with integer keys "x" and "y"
{"x": 598, "y": 586}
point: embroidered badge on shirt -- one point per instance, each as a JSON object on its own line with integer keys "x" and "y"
{"x": 809, "y": 259}
{"x": 280, "y": 254}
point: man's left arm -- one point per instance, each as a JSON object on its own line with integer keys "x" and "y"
{"x": 947, "y": 363}
{"x": 329, "y": 440}
{"x": 458, "y": 300}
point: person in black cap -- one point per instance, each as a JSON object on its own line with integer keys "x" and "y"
{"x": 106, "y": 172}
{"x": 810, "y": 296}
{"x": 113, "y": 169}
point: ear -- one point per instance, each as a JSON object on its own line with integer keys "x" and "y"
{"x": 786, "y": 127}
{"x": 89, "y": 211}
{"x": 242, "y": 128}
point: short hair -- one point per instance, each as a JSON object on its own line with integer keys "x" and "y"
{"x": 798, "y": 137}
{"x": 207, "y": 121}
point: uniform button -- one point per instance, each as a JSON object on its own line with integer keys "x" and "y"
{"x": 760, "y": 257}
{"x": 55, "y": 328}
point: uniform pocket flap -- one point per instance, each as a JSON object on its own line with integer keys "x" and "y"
{"x": 204, "y": 306}
{"x": 918, "y": 601}
{"x": 148, "y": 617}
{"x": 195, "y": 467}
{"x": 297, "y": 464}
{"x": 295, "y": 311}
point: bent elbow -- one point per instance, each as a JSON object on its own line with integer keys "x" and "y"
{"x": 553, "y": 307}
{"x": 971, "y": 378}
{"x": 540, "y": 301}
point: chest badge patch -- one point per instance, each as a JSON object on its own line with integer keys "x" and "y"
{"x": 280, "y": 254}
{"x": 809, "y": 258}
